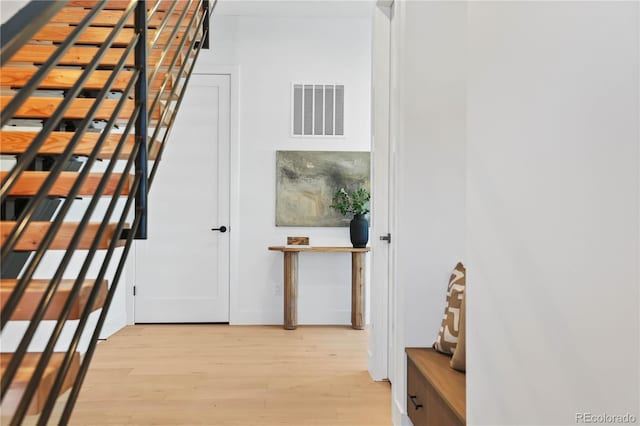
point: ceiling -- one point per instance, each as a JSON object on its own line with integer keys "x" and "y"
{"x": 296, "y": 8}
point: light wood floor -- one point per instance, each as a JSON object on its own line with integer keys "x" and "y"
{"x": 240, "y": 375}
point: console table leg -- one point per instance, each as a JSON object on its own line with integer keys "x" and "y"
{"x": 357, "y": 290}
{"x": 290, "y": 290}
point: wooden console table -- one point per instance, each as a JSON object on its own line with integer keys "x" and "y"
{"x": 291, "y": 282}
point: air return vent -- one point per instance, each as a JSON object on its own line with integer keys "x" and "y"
{"x": 318, "y": 110}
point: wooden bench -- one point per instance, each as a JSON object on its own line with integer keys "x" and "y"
{"x": 436, "y": 393}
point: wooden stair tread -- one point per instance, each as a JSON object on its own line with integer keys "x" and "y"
{"x": 35, "y": 289}
{"x": 122, "y": 4}
{"x": 30, "y": 182}
{"x": 61, "y": 78}
{"x": 17, "y": 142}
{"x": 33, "y": 235}
{"x": 97, "y": 35}
{"x": 43, "y": 107}
{"x": 15, "y": 74}
{"x": 108, "y": 18}
{"x": 81, "y": 55}
{"x": 22, "y": 377}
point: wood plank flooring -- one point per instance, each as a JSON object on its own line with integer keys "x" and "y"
{"x": 233, "y": 375}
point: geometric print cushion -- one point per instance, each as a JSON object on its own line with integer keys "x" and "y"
{"x": 448, "y": 335}
{"x": 459, "y": 358}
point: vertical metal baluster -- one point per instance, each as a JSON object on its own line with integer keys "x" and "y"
{"x": 142, "y": 130}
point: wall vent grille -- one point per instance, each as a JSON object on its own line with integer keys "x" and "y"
{"x": 318, "y": 110}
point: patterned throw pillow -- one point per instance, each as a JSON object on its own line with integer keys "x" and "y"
{"x": 448, "y": 334}
{"x": 459, "y": 358}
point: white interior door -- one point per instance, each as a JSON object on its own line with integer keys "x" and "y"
{"x": 182, "y": 270}
{"x": 379, "y": 337}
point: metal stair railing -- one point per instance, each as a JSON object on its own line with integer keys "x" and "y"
{"x": 16, "y": 33}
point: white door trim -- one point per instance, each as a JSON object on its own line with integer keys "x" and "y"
{"x": 397, "y": 357}
{"x": 378, "y": 354}
{"x": 233, "y": 71}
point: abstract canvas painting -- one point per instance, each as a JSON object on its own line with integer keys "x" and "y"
{"x": 307, "y": 180}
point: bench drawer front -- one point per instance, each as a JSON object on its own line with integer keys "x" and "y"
{"x": 416, "y": 395}
{"x": 424, "y": 406}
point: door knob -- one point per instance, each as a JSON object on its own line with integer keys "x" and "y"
{"x": 221, "y": 229}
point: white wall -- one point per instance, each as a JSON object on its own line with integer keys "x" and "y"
{"x": 8, "y": 8}
{"x": 428, "y": 131}
{"x": 550, "y": 92}
{"x": 552, "y": 211}
{"x": 270, "y": 54}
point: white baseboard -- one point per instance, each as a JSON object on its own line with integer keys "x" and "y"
{"x": 398, "y": 416}
{"x": 335, "y": 317}
{"x": 374, "y": 372}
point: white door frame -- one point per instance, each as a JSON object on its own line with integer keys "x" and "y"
{"x": 382, "y": 159}
{"x": 233, "y": 72}
{"x": 234, "y": 201}
{"x": 397, "y": 297}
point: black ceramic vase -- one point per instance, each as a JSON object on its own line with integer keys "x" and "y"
{"x": 359, "y": 228}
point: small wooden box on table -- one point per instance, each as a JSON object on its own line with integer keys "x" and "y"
{"x": 291, "y": 282}
{"x": 436, "y": 393}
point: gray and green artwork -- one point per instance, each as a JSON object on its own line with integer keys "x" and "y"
{"x": 307, "y": 180}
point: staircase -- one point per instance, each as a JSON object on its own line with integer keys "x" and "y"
{"x": 89, "y": 91}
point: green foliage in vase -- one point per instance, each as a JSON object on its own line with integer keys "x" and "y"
{"x": 356, "y": 202}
